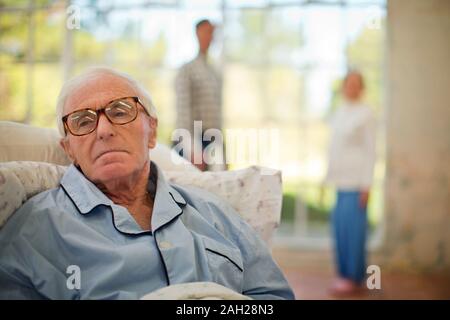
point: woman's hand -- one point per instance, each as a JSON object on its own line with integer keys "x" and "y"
{"x": 364, "y": 198}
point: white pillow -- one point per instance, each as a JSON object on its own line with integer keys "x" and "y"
{"x": 255, "y": 196}
{"x": 24, "y": 142}
{"x": 195, "y": 291}
{"x": 21, "y": 142}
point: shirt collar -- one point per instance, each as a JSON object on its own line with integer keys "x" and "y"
{"x": 168, "y": 202}
{"x": 202, "y": 57}
{"x": 84, "y": 194}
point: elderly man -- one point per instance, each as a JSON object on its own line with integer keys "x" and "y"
{"x": 115, "y": 222}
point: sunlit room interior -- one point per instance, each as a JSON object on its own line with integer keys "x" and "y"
{"x": 282, "y": 64}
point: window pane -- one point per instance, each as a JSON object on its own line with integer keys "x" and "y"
{"x": 282, "y": 63}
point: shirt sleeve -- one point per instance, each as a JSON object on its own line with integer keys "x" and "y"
{"x": 263, "y": 279}
{"x": 329, "y": 150}
{"x": 329, "y": 175}
{"x": 370, "y": 151}
{"x": 26, "y": 271}
{"x": 14, "y": 268}
{"x": 183, "y": 99}
{"x": 12, "y": 288}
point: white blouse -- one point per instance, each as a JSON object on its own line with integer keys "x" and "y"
{"x": 352, "y": 148}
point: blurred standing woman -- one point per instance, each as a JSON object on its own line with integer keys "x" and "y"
{"x": 350, "y": 171}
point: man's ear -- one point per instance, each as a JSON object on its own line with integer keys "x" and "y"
{"x": 65, "y": 144}
{"x": 152, "y": 133}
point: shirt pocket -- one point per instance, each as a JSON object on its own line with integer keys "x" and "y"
{"x": 225, "y": 264}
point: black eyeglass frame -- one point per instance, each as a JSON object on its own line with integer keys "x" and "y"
{"x": 100, "y": 111}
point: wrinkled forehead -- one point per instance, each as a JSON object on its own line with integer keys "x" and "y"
{"x": 354, "y": 76}
{"x": 207, "y": 26}
{"x": 96, "y": 91}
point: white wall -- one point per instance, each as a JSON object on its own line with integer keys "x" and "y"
{"x": 418, "y": 136}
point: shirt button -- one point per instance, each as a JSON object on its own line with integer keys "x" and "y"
{"x": 165, "y": 245}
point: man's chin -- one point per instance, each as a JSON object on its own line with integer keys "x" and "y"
{"x": 112, "y": 171}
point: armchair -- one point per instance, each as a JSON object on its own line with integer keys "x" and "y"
{"x": 31, "y": 161}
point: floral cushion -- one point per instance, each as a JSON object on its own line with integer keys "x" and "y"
{"x": 253, "y": 193}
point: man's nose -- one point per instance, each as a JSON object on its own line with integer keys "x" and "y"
{"x": 105, "y": 129}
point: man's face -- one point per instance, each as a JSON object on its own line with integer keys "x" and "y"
{"x": 111, "y": 151}
{"x": 205, "y": 33}
{"x": 353, "y": 87}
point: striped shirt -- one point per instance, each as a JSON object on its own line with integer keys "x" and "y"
{"x": 199, "y": 95}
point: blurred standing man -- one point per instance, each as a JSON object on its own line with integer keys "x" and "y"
{"x": 199, "y": 91}
{"x": 350, "y": 171}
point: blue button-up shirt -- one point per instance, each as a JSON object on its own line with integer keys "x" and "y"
{"x": 73, "y": 242}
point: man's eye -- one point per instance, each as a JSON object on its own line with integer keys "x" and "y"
{"x": 119, "y": 112}
{"x": 85, "y": 121}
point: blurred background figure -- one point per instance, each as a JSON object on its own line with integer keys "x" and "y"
{"x": 199, "y": 92}
{"x": 350, "y": 171}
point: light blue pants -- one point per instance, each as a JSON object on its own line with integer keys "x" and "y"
{"x": 349, "y": 221}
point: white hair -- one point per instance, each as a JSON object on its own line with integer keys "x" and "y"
{"x": 69, "y": 86}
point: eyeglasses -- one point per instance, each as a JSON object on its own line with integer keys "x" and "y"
{"x": 119, "y": 111}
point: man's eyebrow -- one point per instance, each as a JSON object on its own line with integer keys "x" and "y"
{"x": 92, "y": 105}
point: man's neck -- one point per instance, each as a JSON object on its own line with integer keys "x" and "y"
{"x": 203, "y": 54}
{"x": 130, "y": 190}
